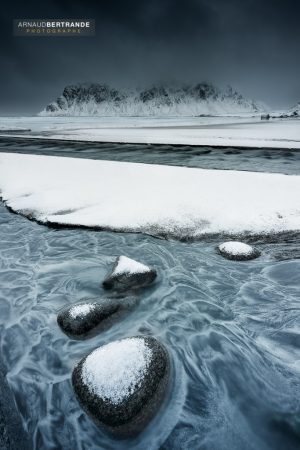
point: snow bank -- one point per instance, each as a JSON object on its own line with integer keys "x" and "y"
{"x": 116, "y": 370}
{"x": 149, "y": 198}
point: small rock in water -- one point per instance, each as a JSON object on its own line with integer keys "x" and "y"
{"x": 122, "y": 384}
{"x": 129, "y": 274}
{"x": 84, "y": 319}
{"x": 238, "y": 251}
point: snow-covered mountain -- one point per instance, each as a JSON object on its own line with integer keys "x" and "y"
{"x": 293, "y": 112}
{"x": 100, "y": 99}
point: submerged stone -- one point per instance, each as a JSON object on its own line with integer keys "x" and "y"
{"x": 122, "y": 384}
{"x": 288, "y": 422}
{"x": 87, "y": 318}
{"x": 238, "y": 251}
{"x": 129, "y": 274}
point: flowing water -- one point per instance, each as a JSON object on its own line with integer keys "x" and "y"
{"x": 232, "y": 328}
{"x": 259, "y": 160}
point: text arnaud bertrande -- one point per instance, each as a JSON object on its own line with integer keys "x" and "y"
{"x": 54, "y": 24}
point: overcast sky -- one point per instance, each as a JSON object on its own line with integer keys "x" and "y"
{"x": 251, "y": 44}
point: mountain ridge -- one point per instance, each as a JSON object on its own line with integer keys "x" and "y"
{"x": 198, "y": 99}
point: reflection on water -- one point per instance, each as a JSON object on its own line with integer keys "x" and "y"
{"x": 233, "y": 329}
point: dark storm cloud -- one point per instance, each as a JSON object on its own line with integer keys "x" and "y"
{"x": 251, "y": 44}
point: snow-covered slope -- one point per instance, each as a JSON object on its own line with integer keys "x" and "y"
{"x": 296, "y": 109}
{"x": 103, "y": 100}
{"x": 292, "y": 112}
{"x": 178, "y": 201}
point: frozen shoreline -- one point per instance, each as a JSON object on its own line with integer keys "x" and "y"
{"x": 221, "y": 131}
{"x": 161, "y": 200}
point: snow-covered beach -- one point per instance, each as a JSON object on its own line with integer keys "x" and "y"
{"x": 236, "y": 130}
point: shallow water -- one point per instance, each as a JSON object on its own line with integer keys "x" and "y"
{"x": 258, "y": 160}
{"x": 232, "y": 329}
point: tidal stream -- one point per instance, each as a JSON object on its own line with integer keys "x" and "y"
{"x": 232, "y": 328}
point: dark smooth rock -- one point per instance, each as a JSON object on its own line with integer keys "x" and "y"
{"x": 126, "y": 279}
{"x": 86, "y": 319}
{"x": 238, "y": 251}
{"x": 131, "y": 413}
{"x": 265, "y": 116}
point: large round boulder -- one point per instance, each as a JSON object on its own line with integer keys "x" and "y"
{"x": 129, "y": 274}
{"x": 238, "y": 251}
{"x": 85, "y": 319}
{"x": 122, "y": 384}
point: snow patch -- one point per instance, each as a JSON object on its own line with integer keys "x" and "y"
{"x": 116, "y": 370}
{"x": 81, "y": 310}
{"x": 128, "y": 265}
{"x": 236, "y": 248}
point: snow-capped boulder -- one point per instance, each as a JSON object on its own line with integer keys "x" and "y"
{"x": 122, "y": 384}
{"x": 85, "y": 319}
{"x": 129, "y": 274}
{"x": 238, "y": 251}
